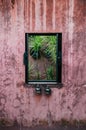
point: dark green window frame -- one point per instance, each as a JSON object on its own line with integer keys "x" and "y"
{"x": 58, "y": 60}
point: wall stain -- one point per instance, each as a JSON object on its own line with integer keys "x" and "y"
{"x": 13, "y": 3}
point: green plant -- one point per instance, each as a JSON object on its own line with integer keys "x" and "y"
{"x": 45, "y": 44}
{"x": 49, "y": 47}
{"x": 50, "y": 73}
{"x": 35, "y": 45}
{"x": 49, "y": 40}
{"x": 52, "y": 48}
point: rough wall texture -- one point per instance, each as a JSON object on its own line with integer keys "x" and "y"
{"x": 17, "y": 102}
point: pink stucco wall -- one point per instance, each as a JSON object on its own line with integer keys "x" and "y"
{"x": 17, "y": 102}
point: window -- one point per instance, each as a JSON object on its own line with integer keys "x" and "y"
{"x": 43, "y": 58}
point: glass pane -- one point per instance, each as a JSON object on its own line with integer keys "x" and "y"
{"x": 42, "y": 57}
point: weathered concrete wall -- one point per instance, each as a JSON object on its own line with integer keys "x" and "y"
{"x": 18, "y": 102}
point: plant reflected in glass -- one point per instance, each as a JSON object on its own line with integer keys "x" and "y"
{"x": 42, "y": 57}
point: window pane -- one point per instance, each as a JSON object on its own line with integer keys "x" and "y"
{"x": 42, "y": 53}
